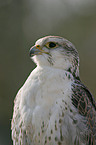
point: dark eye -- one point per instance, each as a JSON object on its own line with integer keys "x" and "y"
{"x": 52, "y": 44}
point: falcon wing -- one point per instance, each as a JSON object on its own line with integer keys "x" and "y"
{"x": 86, "y": 106}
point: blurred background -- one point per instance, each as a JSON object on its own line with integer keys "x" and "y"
{"x": 22, "y": 22}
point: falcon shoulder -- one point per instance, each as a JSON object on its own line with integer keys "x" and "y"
{"x": 86, "y": 106}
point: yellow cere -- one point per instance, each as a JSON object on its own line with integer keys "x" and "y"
{"x": 38, "y": 46}
{"x": 41, "y": 51}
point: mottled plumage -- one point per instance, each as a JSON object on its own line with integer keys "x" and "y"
{"x": 53, "y": 107}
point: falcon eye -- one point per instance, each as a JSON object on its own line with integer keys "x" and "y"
{"x": 52, "y": 44}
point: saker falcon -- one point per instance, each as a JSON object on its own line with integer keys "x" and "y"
{"x": 53, "y": 107}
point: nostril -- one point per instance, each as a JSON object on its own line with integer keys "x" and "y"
{"x": 37, "y": 46}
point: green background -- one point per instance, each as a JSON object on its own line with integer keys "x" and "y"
{"x": 22, "y": 22}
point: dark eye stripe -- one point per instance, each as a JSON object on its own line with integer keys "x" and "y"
{"x": 52, "y": 44}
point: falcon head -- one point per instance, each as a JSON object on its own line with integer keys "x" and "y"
{"x": 57, "y": 52}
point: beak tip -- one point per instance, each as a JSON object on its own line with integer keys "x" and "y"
{"x": 33, "y": 51}
{"x": 30, "y": 54}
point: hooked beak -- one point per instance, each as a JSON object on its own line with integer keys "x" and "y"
{"x": 36, "y": 51}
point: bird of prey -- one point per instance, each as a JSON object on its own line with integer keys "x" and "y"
{"x": 53, "y": 107}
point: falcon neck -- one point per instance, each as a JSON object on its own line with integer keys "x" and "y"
{"x": 54, "y": 70}
{"x": 50, "y": 68}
